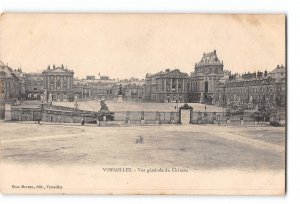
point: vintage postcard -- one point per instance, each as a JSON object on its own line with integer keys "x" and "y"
{"x": 143, "y": 104}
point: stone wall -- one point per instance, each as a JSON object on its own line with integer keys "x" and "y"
{"x": 25, "y": 114}
{"x": 58, "y": 114}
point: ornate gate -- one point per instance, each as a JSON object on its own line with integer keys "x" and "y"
{"x": 185, "y": 114}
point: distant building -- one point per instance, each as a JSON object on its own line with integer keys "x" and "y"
{"x": 167, "y": 86}
{"x": 34, "y": 85}
{"x": 90, "y": 77}
{"x": 9, "y": 83}
{"x": 208, "y": 71}
{"x": 104, "y": 77}
{"x": 19, "y": 73}
{"x": 132, "y": 89}
{"x": 244, "y": 91}
{"x": 58, "y": 83}
{"x": 249, "y": 75}
{"x": 10, "y": 89}
{"x": 85, "y": 90}
{"x": 253, "y": 88}
{"x": 278, "y": 73}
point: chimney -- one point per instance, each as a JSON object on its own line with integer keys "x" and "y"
{"x": 48, "y": 67}
{"x": 53, "y": 66}
{"x": 167, "y": 70}
{"x": 62, "y": 66}
{"x": 277, "y": 65}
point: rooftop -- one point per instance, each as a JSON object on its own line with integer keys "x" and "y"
{"x": 167, "y": 72}
{"x": 210, "y": 58}
{"x": 278, "y": 69}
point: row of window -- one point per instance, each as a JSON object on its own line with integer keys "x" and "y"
{"x": 65, "y": 87}
{"x": 59, "y": 77}
{"x": 254, "y": 90}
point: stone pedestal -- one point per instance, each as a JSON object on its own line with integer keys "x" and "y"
{"x": 76, "y": 105}
{"x": 142, "y": 121}
{"x": 120, "y": 99}
{"x": 7, "y": 108}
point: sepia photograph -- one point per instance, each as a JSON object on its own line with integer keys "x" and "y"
{"x": 164, "y": 104}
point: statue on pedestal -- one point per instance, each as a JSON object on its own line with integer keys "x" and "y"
{"x": 76, "y": 103}
{"x": 103, "y": 106}
{"x": 50, "y": 97}
{"x": 250, "y": 100}
{"x": 120, "y": 90}
{"x": 120, "y": 94}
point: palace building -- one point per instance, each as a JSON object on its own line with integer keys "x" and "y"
{"x": 208, "y": 83}
{"x": 34, "y": 85}
{"x": 207, "y": 73}
{"x": 58, "y": 84}
{"x": 167, "y": 86}
{"x": 131, "y": 89}
{"x": 9, "y": 83}
{"x": 254, "y": 89}
{"x": 10, "y": 89}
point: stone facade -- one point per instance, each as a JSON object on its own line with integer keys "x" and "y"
{"x": 131, "y": 90}
{"x": 207, "y": 73}
{"x": 256, "y": 91}
{"x": 167, "y": 86}
{"x": 34, "y": 86}
{"x": 58, "y": 84}
{"x": 10, "y": 88}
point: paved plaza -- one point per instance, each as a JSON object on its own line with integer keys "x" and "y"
{"x": 196, "y": 147}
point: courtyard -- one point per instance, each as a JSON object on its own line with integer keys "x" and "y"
{"x": 94, "y": 105}
{"x": 197, "y": 147}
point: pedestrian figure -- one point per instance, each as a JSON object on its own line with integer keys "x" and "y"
{"x": 82, "y": 121}
{"x": 139, "y": 140}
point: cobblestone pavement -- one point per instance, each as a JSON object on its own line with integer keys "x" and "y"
{"x": 189, "y": 146}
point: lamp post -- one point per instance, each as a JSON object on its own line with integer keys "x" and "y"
{"x": 176, "y": 107}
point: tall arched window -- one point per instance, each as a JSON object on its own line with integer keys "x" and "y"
{"x": 206, "y": 86}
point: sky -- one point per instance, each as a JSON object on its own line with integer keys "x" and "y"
{"x": 132, "y": 45}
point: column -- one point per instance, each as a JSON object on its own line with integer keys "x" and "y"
{"x": 171, "y": 84}
{"x": 54, "y": 82}
{"x": 68, "y": 81}
{"x": 71, "y": 83}
{"x": 182, "y": 90}
{"x": 61, "y": 82}
{"x": 48, "y": 80}
{"x": 165, "y": 86}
